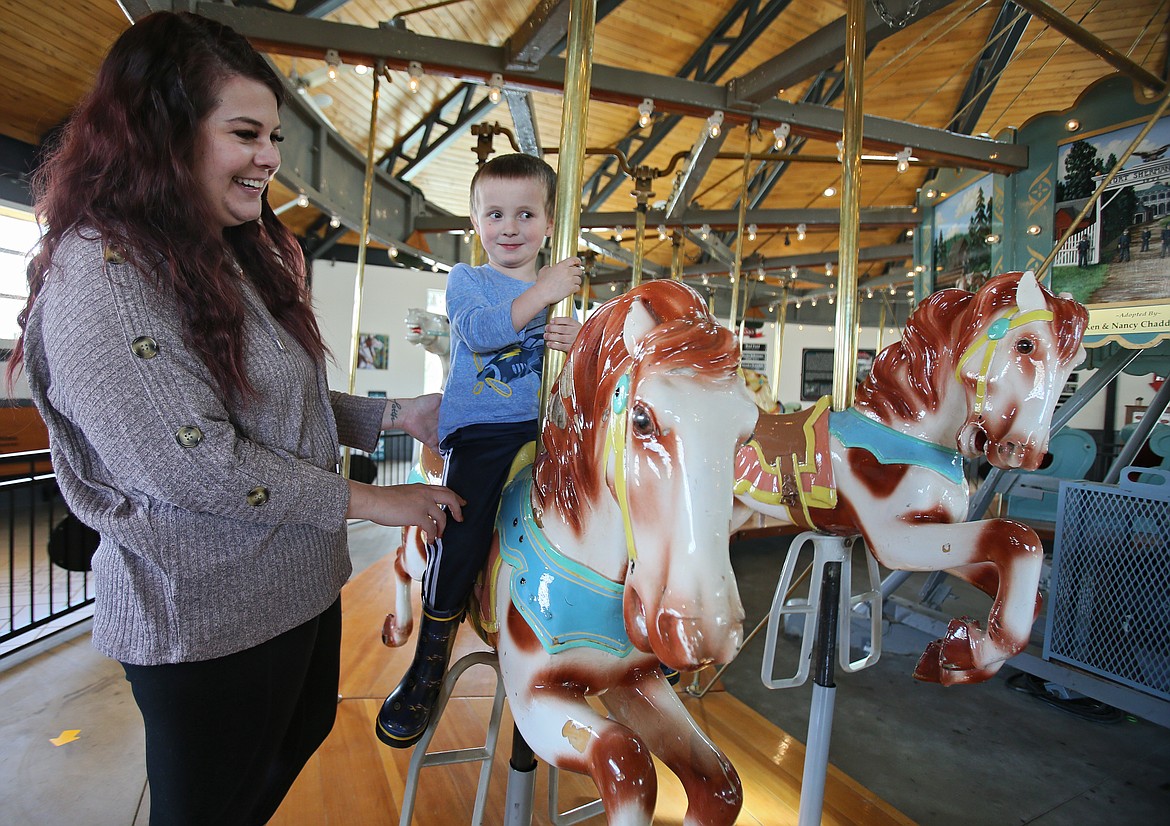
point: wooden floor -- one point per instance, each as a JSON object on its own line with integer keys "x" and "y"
{"x": 354, "y": 780}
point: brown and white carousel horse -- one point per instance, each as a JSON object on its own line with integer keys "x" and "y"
{"x": 974, "y": 375}
{"x": 611, "y": 555}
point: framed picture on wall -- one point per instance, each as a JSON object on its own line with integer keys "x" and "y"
{"x": 1117, "y": 260}
{"x": 373, "y": 350}
{"x": 816, "y": 371}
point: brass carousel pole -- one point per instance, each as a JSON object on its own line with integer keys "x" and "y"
{"x": 737, "y": 264}
{"x": 676, "y": 242}
{"x": 571, "y": 164}
{"x": 518, "y": 800}
{"x": 837, "y": 550}
{"x": 781, "y": 320}
{"x": 360, "y": 280}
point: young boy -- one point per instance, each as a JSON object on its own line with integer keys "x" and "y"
{"x": 490, "y": 404}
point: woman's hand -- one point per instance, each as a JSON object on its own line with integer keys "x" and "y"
{"x": 561, "y": 332}
{"x": 423, "y": 506}
{"x": 418, "y": 416}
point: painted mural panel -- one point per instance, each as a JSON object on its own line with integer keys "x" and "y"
{"x": 1117, "y": 260}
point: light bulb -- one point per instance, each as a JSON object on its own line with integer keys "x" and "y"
{"x": 910, "y": 233}
{"x": 704, "y": 231}
{"x": 792, "y": 271}
{"x": 333, "y": 62}
{"x": 781, "y": 133}
{"x": 752, "y": 228}
{"x": 617, "y": 233}
{"x": 715, "y": 123}
{"x": 360, "y": 68}
{"x": 645, "y": 112}
{"x": 829, "y": 268}
{"x": 393, "y": 251}
{"x": 662, "y": 232}
{"x": 335, "y": 222}
{"x": 801, "y": 229}
{"x": 495, "y": 87}
{"x": 302, "y": 200}
{"x": 415, "y": 70}
{"x": 830, "y": 191}
{"x": 903, "y": 159}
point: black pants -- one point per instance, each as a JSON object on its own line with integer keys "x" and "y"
{"x": 476, "y": 463}
{"x": 226, "y": 738}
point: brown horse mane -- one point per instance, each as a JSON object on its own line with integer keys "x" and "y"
{"x": 570, "y": 471}
{"x": 907, "y": 377}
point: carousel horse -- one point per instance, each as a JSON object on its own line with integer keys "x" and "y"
{"x": 611, "y": 554}
{"x": 760, "y": 391}
{"x": 432, "y": 332}
{"x": 974, "y": 375}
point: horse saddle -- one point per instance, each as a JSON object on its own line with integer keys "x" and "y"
{"x": 787, "y": 463}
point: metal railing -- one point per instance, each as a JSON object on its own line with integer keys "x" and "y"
{"x": 38, "y": 597}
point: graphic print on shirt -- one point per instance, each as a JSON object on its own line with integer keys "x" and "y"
{"x": 511, "y": 363}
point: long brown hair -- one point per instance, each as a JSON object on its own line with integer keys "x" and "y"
{"x": 123, "y": 169}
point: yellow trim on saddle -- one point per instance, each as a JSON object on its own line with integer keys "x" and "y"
{"x": 994, "y": 332}
{"x": 810, "y": 496}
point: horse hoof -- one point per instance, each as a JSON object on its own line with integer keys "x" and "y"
{"x": 394, "y": 636}
{"x": 929, "y": 668}
{"x": 970, "y": 676}
{"x": 957, "y": 652}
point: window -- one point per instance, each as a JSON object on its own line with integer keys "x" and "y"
{"x": 19, "y": 234}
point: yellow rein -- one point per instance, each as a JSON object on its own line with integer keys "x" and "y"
{"x": 615, "y": 439}
{"x": 994, "y": 333}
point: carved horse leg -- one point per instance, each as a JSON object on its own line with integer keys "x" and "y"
{"x": 999, "y": 556}
{"x": 968, "y": 652}
{"x": 410, "y": 560}
{"x": 651, "y": 707}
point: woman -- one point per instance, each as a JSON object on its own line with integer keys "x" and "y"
{"x": 172, "y": 351}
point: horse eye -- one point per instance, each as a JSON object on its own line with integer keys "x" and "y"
{"x": 641, "y": 420}
{"x": 1025, "y": 346}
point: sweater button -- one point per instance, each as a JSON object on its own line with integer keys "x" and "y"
{"x": 144, "y": 347}
{"x": 257, "y": 496}
{"x": 189, "y": 436}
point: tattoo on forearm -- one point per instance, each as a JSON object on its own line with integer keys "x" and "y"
{"x": 395, "y": 411}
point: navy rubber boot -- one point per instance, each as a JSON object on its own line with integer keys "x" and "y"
{"x": 407, "y": 711}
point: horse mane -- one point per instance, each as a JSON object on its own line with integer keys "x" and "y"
{"x": 570, "y": 471}
{"x": 908, "y": 376}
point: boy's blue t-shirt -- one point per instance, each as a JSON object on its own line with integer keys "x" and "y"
{"x": 495, "y": 371}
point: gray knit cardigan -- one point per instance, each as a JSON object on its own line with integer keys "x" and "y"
{"x": 221, "y": 528}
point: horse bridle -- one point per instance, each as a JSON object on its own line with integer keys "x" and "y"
{"x": 615, "y": 439}
{"x": 995, "y": 332}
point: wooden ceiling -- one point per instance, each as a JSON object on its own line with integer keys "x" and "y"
{"x": 49, "y": 50}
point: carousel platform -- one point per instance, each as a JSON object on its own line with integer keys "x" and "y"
{"x": 354, "y": 780}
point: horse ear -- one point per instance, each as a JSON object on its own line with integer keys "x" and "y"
{"x": 639, "y": 322}
{"x": 1029, "y": 296}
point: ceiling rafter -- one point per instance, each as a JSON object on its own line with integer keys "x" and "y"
{"x": 294, "y": 35}
{"x": 1001, "y": 44}
{"x": 452, "y": 116}
{"x": 751, "y": 19}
